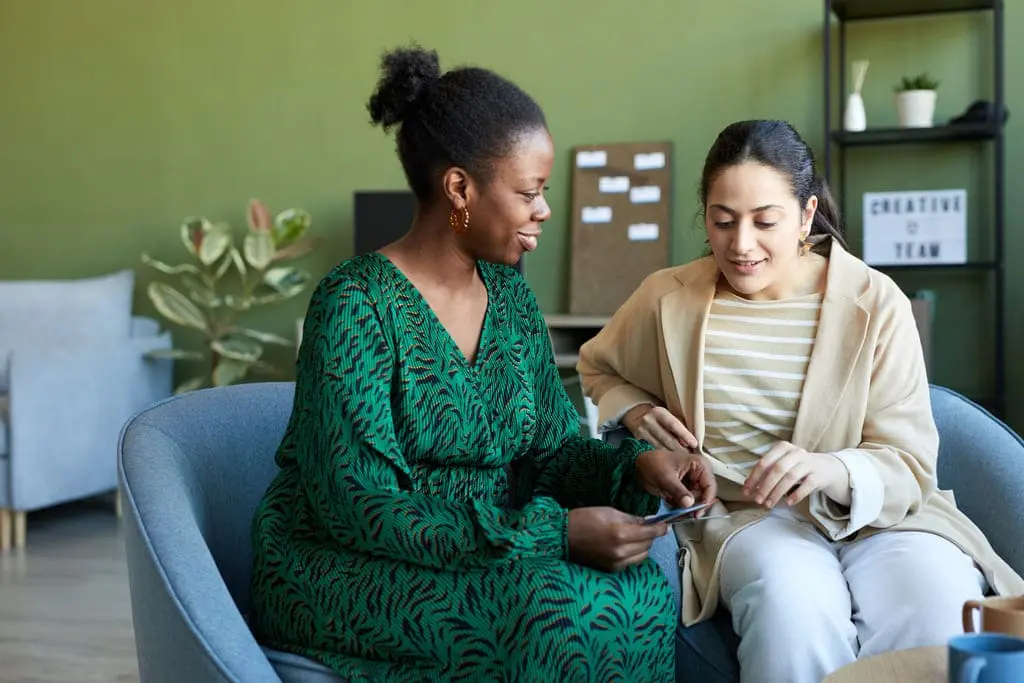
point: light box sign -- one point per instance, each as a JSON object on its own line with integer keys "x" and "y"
{"x": 924, "y": 227}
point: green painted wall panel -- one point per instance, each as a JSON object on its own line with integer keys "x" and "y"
{"x": 119, "y": 118}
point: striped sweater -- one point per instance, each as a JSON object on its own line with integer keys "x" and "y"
{"x": 755, "y": 361}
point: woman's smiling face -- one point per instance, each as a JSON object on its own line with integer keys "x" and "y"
{"x": 755, "y": 225}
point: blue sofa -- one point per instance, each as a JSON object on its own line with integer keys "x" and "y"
{"x": 192, "y": 469}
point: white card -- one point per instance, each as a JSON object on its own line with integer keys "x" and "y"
{"x": 613, "y": 184}
{"x": 597, "y": 214}
{"x": 643, "y": 232}
{"x": 645, "y": 162}
{"x": 592, "y": 158}
{"x": 645, "y": 194}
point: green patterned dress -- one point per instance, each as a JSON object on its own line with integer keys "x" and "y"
{"x": 393, "y": 544}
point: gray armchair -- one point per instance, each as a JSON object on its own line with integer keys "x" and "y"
{"x": 72, "y": 372}
{"x": 194, "y": 467}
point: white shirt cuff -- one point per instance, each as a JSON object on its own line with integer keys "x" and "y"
{"x": 617, "y": 402}
{"x": 867, "y": 496}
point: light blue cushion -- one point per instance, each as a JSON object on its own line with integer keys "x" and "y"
{"x": 34, "y": 313}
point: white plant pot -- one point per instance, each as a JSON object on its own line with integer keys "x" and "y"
{"x": 916, "y": 108}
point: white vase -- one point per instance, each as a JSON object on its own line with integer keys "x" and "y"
{"x": 854, "y": 118}
{"x": 916, "y": 108}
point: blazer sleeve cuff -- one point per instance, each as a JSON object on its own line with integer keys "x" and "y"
{"x": 866, "y": 499}
{"x": 618, "y": 401}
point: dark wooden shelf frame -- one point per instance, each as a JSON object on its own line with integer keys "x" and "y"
{"x": 860, "y": 10}
{"x": 846, "y": 11}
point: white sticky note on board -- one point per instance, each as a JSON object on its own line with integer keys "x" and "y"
{"x": 642, "y": 232}
{"x": 597, "y": 214}
{"x": 645, "y": 194}
{"x": 613, "y": 184}
{"x": 651, "y": 160}
{"x": 595, "y": 158}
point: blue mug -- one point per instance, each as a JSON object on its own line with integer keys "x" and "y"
{"x": 986, "y": 658}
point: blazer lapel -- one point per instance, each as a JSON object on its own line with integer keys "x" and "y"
{"x": 683, "y": 318}
{"x": 842, "y": 329}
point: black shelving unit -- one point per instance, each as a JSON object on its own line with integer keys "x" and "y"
{"x": 837, "y": 139}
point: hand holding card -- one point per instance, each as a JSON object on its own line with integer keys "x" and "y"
{"x": 673, "y": 515}
{"x": 681, "y": 479}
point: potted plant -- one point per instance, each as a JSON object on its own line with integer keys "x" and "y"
{"x": 915, "y": 101}
{"x": 207, "y": 302}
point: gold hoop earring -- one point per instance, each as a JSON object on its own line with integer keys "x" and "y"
{"x": 459, "y": 220}
{"x": 805, "y": 245}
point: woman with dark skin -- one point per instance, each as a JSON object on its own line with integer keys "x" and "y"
{"x": 438, "y": 515}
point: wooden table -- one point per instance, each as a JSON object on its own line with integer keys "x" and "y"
{"x": 919, "y": 665}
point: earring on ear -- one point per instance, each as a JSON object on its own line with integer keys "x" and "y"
{"x": 459, "y": 220}
{"x": 805, "y": 245}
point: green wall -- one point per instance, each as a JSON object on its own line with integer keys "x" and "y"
{"x": 119, "y": 118}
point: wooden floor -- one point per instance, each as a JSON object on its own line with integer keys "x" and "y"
{"x": 64, "y": 609}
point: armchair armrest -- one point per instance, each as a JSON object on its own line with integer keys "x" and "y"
{"x": 67, "y": 407}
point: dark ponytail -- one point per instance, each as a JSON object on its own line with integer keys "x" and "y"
{"x": 827, "y": 224}
{"x": 778, "y": 145}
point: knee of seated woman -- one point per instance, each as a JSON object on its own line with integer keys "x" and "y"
{"x": 797, "y": 603}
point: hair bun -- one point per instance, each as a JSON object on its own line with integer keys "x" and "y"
{"x": 405, "y": 74}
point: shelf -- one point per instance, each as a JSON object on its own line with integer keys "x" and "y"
{"x": 853, "y": 10}
{"x": 874, "y": 137}
{"x": 979, "y": 266}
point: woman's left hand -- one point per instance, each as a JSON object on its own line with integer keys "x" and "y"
{"x": 681, "y": 478}
{"x": 791, "y": 472}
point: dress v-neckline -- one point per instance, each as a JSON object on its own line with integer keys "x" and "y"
{"x": 482, "y": 340}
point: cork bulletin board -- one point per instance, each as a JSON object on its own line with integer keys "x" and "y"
{"x": 621, "y": 222}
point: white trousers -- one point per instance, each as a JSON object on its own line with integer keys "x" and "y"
{"x": 804, "y": 606}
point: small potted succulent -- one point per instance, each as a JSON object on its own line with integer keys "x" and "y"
{"x": 915, "y": 101}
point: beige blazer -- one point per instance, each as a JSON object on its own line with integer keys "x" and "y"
{"x": 865, "y": 393}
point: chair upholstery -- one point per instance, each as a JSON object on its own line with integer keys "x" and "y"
{"x": 193, "y": 469}
{"x": 72, "y": 372}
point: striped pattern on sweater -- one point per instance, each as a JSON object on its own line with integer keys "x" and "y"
{"x": 755, "y": 361}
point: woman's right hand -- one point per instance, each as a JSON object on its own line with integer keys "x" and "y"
{"x": 610, "y": 540}
{"x": 659, "y": 427}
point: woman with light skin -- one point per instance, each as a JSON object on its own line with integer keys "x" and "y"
{"x": 797, "y": 371}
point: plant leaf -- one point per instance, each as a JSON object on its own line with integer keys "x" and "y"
{"x": 265, "y": 337}
{"x": 298, "y": 248}
{"x": 236, "y": 256}
{"x": 190, "y": 385}
{"x": 264, "y": 299}
{"x": 229, "y": 371}
{"x": 239, "y": 303}
{"x": 264, "y": 366}
{"x": 223, "y": 267}
{"x": 177, "y": 354}
{"x": 288, "y": 281}
{"x": 238, "y": 347}
{"x": 200, "y": 293}
{"x": 290, "y": 225}
{"x": 176, "y": 307}
{"x": 259, "y": 216}
{"x": 168, "y": 269}
{"x": 259, "y": 249}
{"x": 216, "y": 240}
{"x": 193, "y": 231}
